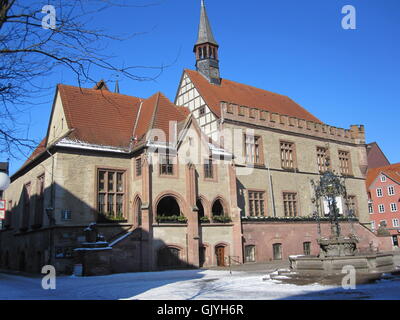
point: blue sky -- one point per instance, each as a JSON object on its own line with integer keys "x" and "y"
{"x": 292, "y": 47}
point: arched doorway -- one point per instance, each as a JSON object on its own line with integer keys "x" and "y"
{"x": 220, "y": 255}
{"x": 168, "y": 207}
{"x": 169, "y": 257}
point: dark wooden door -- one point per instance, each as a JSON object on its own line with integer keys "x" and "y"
{"x": 220, "y": 252}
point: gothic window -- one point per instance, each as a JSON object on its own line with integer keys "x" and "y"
{"x": 217, "y": 208}
{"x": 168, "y": 207}
{"x": 199, "y": 206}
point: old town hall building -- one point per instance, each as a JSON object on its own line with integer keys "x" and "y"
{"x": 222, "y": 174}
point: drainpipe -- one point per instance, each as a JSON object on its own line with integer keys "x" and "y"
{"x": 271, "y": 188}
{"x": 50, "y": 212}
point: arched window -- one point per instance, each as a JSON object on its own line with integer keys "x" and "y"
{"x": 199, "y": 205}
{"x": 138, "y": 212}
{"x": 168, "y": 257}
{"x": 217, "y": 208}
{"x": 168, "y": 207}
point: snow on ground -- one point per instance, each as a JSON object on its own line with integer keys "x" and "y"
{"x": 186, "y": 285}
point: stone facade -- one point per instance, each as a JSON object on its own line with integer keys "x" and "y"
{"x": 161, "y": 203}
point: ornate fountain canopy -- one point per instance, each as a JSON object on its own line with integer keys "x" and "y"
{"x": 329, "y": 186}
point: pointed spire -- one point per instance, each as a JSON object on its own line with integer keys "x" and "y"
{"x": 205, "y": 32}
{"x": 116, "y": 90}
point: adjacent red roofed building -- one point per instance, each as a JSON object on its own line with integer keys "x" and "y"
{"x": 383, "y": 186}
{"x": 376, "y": 157}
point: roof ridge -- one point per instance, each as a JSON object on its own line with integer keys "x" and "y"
{"x": 98, "y": 91}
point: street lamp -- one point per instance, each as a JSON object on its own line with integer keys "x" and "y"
{"x": 4, "y": 181}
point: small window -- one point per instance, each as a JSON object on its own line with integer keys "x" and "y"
{"x": 393, "y": 207}
{"x": 307, "y": 248}
{"x": 66, "y": 215}
{"x": 166, "y": 165}
{"x": 383, "y": 178}
{"x": 202, "y": 111}
{"x": 370, "y": 208}
{"x": 208, "y": 169}
{"x": 379, "y": 192}
{"x": 391, "y": 191}
{"x": 345, "y": 163}
{"x": 395, "y": 223}
{"x": 138, "y": 167}
{"x": 381, "y": 208}
{"x": 395, "y": 241}
{"x": 250, "y": 253}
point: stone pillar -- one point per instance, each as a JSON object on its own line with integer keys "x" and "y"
{"x": 192, "y": 216}
{"x": 147, "y": 217}
{"x": 235, "y": 213}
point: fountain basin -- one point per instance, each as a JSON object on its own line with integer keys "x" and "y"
{"x": 368, "y": 263}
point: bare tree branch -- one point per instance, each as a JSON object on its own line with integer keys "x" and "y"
{"x": 29, "y": 52}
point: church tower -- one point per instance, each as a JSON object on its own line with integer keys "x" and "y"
{"x": 206, "y": 49}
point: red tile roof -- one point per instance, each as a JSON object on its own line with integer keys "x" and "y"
{"x": 104, "y": 118}
{"x": 99, "y": 116}
{"x": 392, "y": 171}
{"x": 157, "y": 113}
{"x": 39, "y": 149}
{"x": 241, "y": 94}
